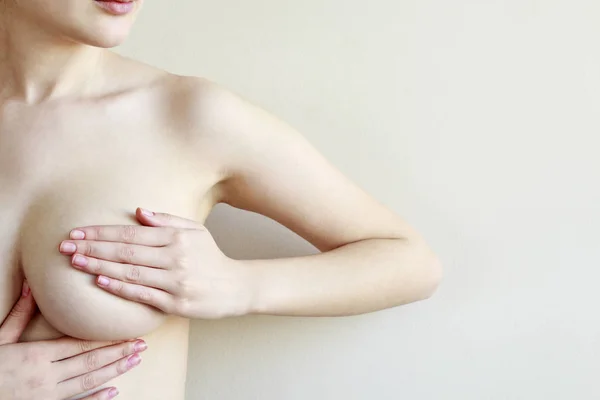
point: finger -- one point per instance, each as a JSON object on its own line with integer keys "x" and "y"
{"x": 142, "y": 235}
{"x": 66, "y": 347}
{"x": 96, "y": 359}
{"x": 105, "y": 394}
{"x": 151, "y": 218}
{"x": 140, "y": 294}
{"x": 97, "y": 378}
{"x": 145, "y": 276}
{"x": 157, "y": 257}
{"x": 19, "y": 317}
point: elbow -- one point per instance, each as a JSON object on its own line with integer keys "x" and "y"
{"x": 432, "y": 277}
{"x": 418, "y": 273}
{"x": 425, "y": 274}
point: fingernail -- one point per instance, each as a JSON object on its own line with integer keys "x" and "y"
{"x": 67, "y": 247}
{"x": 26, "y": 289}
{"x": 77, "y": 234}
{"x": 140, "y": 346}
{"x": 102, "y": 281}
{"x": 80, "y": 261}
{"x": 134, "y": 360}
{"x": 147, "y": 213}
{"x": 112, "y": 393}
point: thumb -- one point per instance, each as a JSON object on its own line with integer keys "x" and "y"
{"x": 149, "y": 218}
{"x": 19, "y": 317}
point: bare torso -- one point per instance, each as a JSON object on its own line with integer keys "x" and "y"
{"x": 91, "y": 161}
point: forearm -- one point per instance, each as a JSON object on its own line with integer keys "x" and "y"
{"x": 357, "y": 278}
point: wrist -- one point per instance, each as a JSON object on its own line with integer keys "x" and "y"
{"x": 254, "y": 287}
{"x": 249, "y": 290}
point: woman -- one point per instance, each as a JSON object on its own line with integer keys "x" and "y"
{"x": 86, "y": 136}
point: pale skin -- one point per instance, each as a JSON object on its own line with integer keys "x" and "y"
{"x": 59, "y": 368}
{"x": 86, "y": 136}
{"x": 174, "y": 264}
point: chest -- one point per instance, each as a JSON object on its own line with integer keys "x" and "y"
{"x": 59, "y": 171}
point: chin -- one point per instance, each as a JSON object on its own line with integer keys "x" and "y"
{"x": 103, "y": 31}
{"x": 106, "y": 42}
{"x": 104, "y": 36}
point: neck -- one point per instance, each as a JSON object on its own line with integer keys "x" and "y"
{"x": 36, "y": 66}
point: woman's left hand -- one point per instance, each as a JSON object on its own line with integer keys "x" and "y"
{"x": 171, "y": 263}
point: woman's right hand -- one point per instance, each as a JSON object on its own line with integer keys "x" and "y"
{"x": 61, "y": 368}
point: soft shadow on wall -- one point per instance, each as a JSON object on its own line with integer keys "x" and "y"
{"x": 241, "y": 355}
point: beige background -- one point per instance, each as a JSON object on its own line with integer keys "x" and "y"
{"x": 475, "y": 120}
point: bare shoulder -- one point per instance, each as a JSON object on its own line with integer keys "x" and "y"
{"x": 210, "y": 111}
{"x": 185, "y": 105}
{"x": 215, "y": 119}
{"x": 203, "y": 105}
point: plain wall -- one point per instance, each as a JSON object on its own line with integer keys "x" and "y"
{"x": 478, "y": 122}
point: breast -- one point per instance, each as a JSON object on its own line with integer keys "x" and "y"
{"x": 69, "y": 299}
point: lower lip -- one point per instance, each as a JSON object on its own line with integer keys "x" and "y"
{"x": 116, "y": 7}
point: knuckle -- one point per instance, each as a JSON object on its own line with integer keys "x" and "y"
{"x": 144, "y": 295}
{"x": 96, "y": 266}
{"x": 181, "y": 261}
{"x": 128, "y": 233}
{"x": 84, "y": 345}
{"x": 128, "y": 349}
{"x": 133, "y": 274}
{"x": 118, "y": 287}
{"x": 88, "y": 382}
{"x": 126, "y": 253}
{"x": 86, "y": 249}
{"x": 92, "y": 361}
{"x": 121, "y": 367}
{"x": 18, "y": 311}
{"x": 98, "y": 231}
{"x": 180, "y": 238}
{"x": 181, "y": 306}
{"x": 184, "y": 286}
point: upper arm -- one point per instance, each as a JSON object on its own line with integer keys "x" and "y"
{"x": 270, "y": 168}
